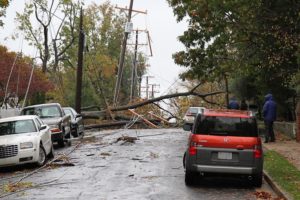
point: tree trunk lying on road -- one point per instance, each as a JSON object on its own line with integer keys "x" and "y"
{"x": 192, "y": 92}
{"x": 116, "y": 124}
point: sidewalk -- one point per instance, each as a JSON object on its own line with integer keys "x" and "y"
{"x": 288, "y": 148}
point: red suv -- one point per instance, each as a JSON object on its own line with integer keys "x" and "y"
{"x": 224, "y": 142}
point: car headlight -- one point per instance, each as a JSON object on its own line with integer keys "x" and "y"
{"x": 26, "y": 145}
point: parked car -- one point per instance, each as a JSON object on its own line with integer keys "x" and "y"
{"x": 77, "y": 126}
{"x": 24, "y": 139}
{"x": 53, "y": 115}
{"x": 224, "y": 142}
{"x": 191, "y": 113}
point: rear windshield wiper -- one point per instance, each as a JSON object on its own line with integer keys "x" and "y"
{"x": 219, "y": 133}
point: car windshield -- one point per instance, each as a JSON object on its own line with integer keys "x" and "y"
{"x": 227, "y": 126}
{"x": 17, "y": 127}
{"x": 43, "y": 112}
{"x": 192, "y": 112}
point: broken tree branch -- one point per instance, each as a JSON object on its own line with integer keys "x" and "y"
{"x": 191, "y": 92}
{"x": 144, "y": 119}
{"x": 172, "y": 115}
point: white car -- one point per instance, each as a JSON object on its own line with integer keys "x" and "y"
{"x": 24, "y": 139}
{"x": 191, "y": 113}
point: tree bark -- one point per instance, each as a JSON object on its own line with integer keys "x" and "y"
{"x": 298, "y": 121}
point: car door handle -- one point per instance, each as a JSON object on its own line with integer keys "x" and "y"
{"x": 239, "y": 147}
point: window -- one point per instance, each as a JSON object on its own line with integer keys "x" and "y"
{"x": 43, "y": 112}
{"x": 17, "y": 127}
{"x": 39, "y": 124}
{"x": 227, "y": 126}
{"x": 69, "y": 112}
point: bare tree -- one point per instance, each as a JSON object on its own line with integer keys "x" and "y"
{"x": 47, "y": 15}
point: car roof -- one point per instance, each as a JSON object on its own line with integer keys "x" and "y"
{"x": 197, "y": 107}
{"x": 67, "y": 108}
{"x": 227, "y": 113}
{"x": 16, "y": 118}
{"x": 41, "y": 105}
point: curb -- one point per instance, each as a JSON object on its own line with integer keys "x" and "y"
{"x": 277, "y": 189}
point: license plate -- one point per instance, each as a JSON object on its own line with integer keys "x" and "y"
{"x": 224, "y": 155}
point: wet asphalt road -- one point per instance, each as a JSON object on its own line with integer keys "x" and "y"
{"x": 150, "y": 168}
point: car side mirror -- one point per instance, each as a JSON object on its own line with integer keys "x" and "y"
{"x": 44, "y": 126}
{"x": 187, "y": 127}
{"x": 78, "y": 115}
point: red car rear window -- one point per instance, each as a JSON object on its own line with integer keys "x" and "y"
{"x": 226, "y": 126}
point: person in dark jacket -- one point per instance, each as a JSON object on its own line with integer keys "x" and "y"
{"x": 269, "y": 113}
{"x": 233, "y": 104}
{"x": 244, "y": 105}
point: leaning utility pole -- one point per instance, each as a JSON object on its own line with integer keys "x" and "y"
{"x": 79, "y": 65}
{"x": 133, "y": 75}
{"x": 122, "y": 56}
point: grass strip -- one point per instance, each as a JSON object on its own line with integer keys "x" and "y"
{"x": 283, "y": 173}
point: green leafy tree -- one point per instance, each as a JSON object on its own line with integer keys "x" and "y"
{"x": 103, "y": 28}
{"x": 258, "y": 39}
{"x": 3, "y": 5}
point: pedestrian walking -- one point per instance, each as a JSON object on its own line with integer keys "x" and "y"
{"x": 269, "y": 114}
{"x": 233, "y": 104}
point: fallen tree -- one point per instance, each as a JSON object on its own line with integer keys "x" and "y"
{"x": 103, "y": 113}
{"x": 192, "y": 92}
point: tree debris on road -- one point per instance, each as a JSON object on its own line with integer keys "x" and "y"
{"x": 126, "y": 139}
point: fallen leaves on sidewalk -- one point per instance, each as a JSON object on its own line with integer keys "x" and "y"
{"x": 262, "y": 195}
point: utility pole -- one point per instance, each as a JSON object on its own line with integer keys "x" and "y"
{"x": 134, "y": 67}
{"x": 79, "y": 65}
{"x": 153, "y": 91}
{"x": 122, "y": 56}
{"x": 147, "y": 86}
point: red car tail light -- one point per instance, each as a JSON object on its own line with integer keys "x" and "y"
{"x": 55, "y": 130}
{"x": 258, "y": 149}
{"x": 193, "y": 147}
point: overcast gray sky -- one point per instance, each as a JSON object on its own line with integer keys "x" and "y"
{"x": 159, "y": 20}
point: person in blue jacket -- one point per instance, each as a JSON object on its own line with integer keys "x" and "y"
{"x": 233, "y": 104}
{"x": 269, "y": 114}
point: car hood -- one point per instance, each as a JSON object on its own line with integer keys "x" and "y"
{"x": 17, "y": 138}
{"x": 52, "y": 120}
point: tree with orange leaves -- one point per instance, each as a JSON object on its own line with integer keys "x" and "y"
{"x": 19, "y": 69}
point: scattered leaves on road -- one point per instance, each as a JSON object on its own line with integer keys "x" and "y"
{"x": 153, "y": 155}
{"x": 62, "y": 161}
{"x": 10, "y": 187}
{"x": 105, "y": 154}
{"x": 126, "y": 139}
